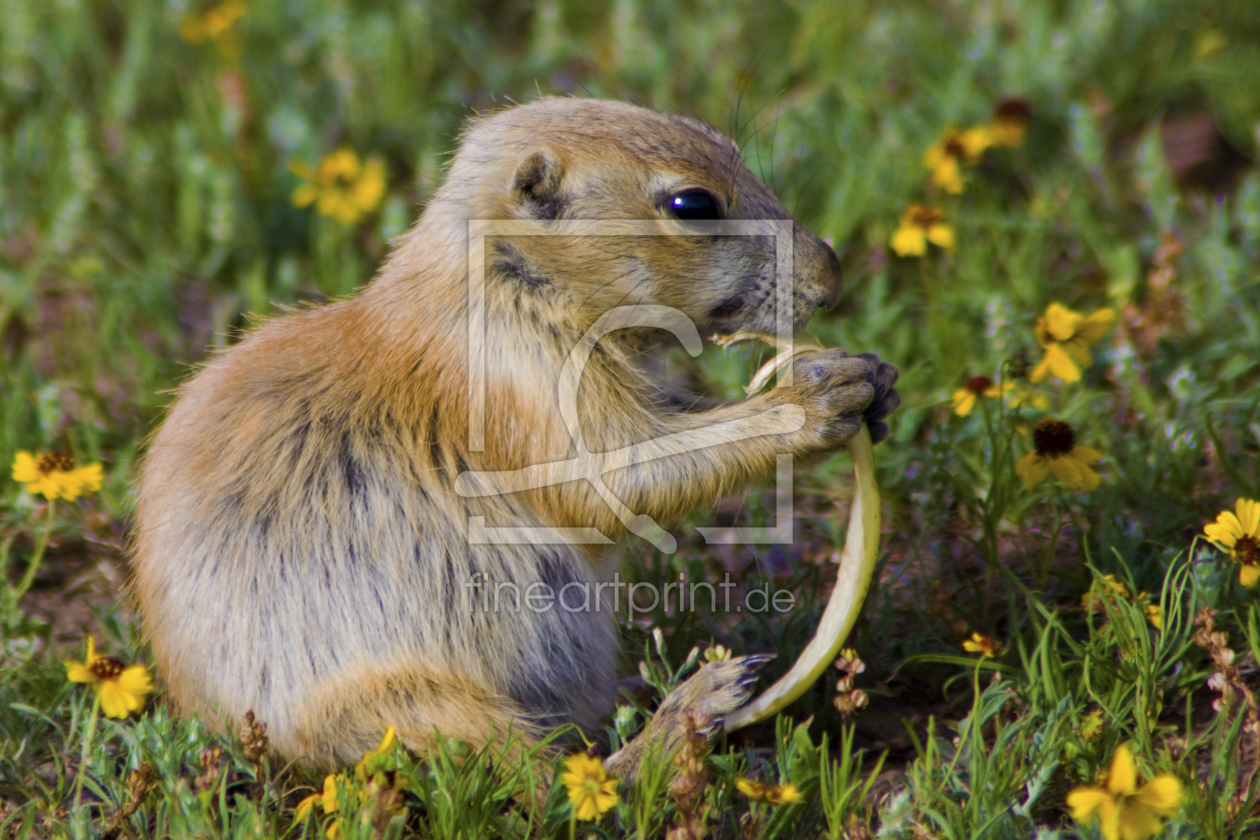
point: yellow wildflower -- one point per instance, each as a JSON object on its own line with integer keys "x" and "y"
{"x": 379, "y": 786}
{"x": 591, "y": 791}
{"x": 326, "y": 800}
{"x": 946, "y": 156}
{"x": 964, "y": 399}
{"x": 1065, "y": 337}
{"x": 1124, "y": 810}
{"x": 919, "y": 226}
{"x": 121, "y": 688}
{"x": 1155, "y": 615}
{"x": 986, "y": 646}
{"x": 717, "y": 653}
{"x": 215, "y": 24}
{"x": 769, "y": 794}
{"x": 54, "y": 475}
{"x": 1010, "y": 122}
{"x": 1055, "y": 450}
{"x": 341, "y": 186}
{"x": 1238, "y": 532}
{"x": 371, "y": 760}
{"x": 1105, "y": 587}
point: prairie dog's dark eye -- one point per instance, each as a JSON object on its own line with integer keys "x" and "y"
{"x": 694, "y": 205}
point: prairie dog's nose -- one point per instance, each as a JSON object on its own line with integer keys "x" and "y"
{"x": 831, "y": 295}
{"x": 817, "y": 267}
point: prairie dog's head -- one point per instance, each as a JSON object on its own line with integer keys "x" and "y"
{"x": 560, "y": 160}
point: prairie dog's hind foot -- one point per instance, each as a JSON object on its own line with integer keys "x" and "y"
{"x": 712, "y": 693}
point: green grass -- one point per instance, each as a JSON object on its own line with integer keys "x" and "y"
{"x": 146, "y": 216}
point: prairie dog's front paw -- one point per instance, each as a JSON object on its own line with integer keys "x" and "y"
{"x": 839, "y": 392}
{"x": 886, "y": 397}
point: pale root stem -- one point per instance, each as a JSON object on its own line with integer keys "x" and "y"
{"x": 857, "y": 561}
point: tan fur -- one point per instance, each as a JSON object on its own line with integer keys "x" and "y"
{"x": 299, "y": 548}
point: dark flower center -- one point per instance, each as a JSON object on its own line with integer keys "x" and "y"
{"x": 51, "y": 461}
{"x": 1247, "y": 550}
{"x": 954, "y": 147}
{"x": 924, "y": 217}
{"x": 106, "y": 667}
{"x": 979, "y": 384}
{"x": 1053, "y": 438}
{"x": 1015, "y": 111}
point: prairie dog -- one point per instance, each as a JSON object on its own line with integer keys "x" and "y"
{"x": 300, "y": 548}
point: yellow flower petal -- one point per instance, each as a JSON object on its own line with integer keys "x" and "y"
{"x": 24, "y": 468}
{"x": 45, "y": 485}
{"x": 329, "y": 798}
{"x": 1061, "y": 322}
{"x": 77, "y": 671}
{"x": 1227, "y": 530}
{"x": 1041, "y": 371}
{"x": 948, "y": 176}
{"x": 1249, "y": 576}
{"x": 1061, "y": 365}
{"x": 1078, "y": 352}
{"x": 1109, "y": 819}
{"x": 1095, "y": 326}
{"x": 305, "y": 806}
{"x": 909, "y": 241}
{"x": 343, "y": 163}
{"x": 1033, "y": 469}
{"x": 115, "y": 702}
{"x": 1137, "y": 823}
{"x": 1248, "y": 513}
{"x": 1122, "y": 777}
{"x": 942, "y": 236}
{"x": 975, "y": 141}
{"x": 90, "y": 476}
{"x": 786, "y": 794}
{"x": 578, "y": 766}
{"x": 1074, "y": 473}
{"x": 370, "y": 186}
{"x": 136, "y": 680}
{"x": 1162, "y": 795}
{"x": 366, "y": 764}
{"x": 1086, "y": 454}
{"x": 305, "y": 195}
{"x": 963, "y": 402}
{"x": 1085, "y": 801}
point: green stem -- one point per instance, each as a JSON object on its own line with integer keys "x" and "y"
{"x": 1056, "y": 507}
{"x": 83, "y": 759}
{"x": 33, "y": 566}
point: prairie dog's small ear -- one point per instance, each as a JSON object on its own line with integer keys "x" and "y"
{"x": 537, "y": 185}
